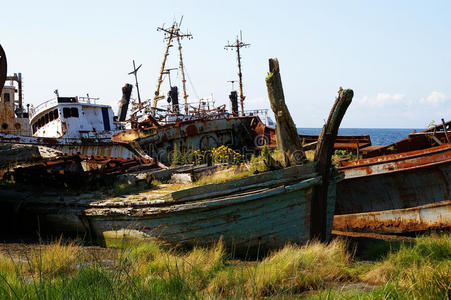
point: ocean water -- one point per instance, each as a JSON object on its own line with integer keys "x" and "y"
{"x": 379, "y": 136}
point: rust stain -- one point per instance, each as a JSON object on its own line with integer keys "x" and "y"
{"x": 398, "y": 162}
{"x": 191, "y": 130}
{"x": 420, "y": 218}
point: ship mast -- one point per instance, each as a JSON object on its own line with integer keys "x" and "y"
{"x": 239, "y": 44}
{"x": 170, "y": 34}
{"x": 135, "y": 72}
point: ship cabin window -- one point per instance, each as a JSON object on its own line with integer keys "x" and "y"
{"x": 6, "y": 97}
{"x": 74, "y": 112}
{"x": 48, "y": 117}
{"x": 66, "y": 112}
{"x": 70, "y": 112}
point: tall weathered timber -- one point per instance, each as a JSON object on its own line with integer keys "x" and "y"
{"x": 288, "y": 141}
{"x": 323, "y": 154}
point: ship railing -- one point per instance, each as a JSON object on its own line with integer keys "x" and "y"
{"x": 204, "y": 108}
{"x": 174, "y": 113}
{"x": 261, "y": 113}
{"x": 43, "y": 106}
{"x": 88, "y": 100}
{"x": 203, "y": 104}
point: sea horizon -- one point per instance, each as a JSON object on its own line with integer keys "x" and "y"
{"x": 378, "y": 136}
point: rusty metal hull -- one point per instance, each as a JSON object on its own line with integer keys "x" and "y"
{"x": 396, "y": 193}
{"x": 419, "y": 218}
{"x": 100, "y": 146}
{"x": 239, "y": 133}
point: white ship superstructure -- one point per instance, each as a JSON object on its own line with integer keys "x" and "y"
{"x": 73, "y": 117}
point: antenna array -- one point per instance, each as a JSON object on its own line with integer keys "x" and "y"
{"x": 238, "y": 44}
{"x": 171, "y": 33}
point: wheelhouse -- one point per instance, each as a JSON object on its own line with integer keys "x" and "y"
{"x": 72, "y": 117}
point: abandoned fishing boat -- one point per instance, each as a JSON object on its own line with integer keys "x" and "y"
{"x": 266, "y": 210}
{"x": 399, "y": 188}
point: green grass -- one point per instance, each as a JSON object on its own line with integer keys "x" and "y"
{"x": 152, "y": 270}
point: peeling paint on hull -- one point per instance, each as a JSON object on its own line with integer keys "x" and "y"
{"x": 267, "y": 218}
{"x": 101, "y": 146}
{"x": 419, "y": 218}
{"x": 396, "y": 193}
{"x": 262, "y": 213}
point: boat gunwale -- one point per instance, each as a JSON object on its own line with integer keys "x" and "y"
{"x": 207, "y": 204}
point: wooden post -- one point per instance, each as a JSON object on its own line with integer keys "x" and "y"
{"x": 288, "y": 141}
{"x": 323, "y": 154}
{"x": 3, "y": 68}
{"x": 444, "y": 129}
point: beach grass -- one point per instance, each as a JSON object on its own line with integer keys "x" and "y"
{"x": 152, "y": 270}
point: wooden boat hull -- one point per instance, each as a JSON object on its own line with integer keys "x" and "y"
{"x": 264, "y": 219}
{"x": 396, "y": 193}
{"x": 266, "y": 211}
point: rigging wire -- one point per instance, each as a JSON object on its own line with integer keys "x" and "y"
{"x": 190, "y": 82}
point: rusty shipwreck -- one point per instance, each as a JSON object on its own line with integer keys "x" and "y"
{"x": 289, "y": 205}
{"x": 400, "y": 188}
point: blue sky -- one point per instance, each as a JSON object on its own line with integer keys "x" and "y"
{"x": 395, "y": 55}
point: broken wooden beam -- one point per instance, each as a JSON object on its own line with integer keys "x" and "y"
{"x": 288, "y": 141}
{"x": 323, "y": 154}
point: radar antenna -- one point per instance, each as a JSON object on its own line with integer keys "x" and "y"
{"x": 232, "y": 82}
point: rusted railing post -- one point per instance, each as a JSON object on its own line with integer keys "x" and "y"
{"x": 288, "y": 141}
{"x": 323, "y": 155}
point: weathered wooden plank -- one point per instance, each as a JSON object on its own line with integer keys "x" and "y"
{"x": 211, "y": 203}
{"x": 225, "y": 214}
{"x": 290, "y": 172}
{"x": 238, "y": 189}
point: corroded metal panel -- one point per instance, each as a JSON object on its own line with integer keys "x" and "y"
{"x": 425, "y": 217}
{"x": 235, "y": 132}
{"x": 396, "y": 192}
{"x": 101, "y": 145}
{"x": 397, "y": 162}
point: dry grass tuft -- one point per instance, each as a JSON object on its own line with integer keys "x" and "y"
{"x": 289, "y": 270}
{"x": 54, "y": 259}
{"x": 298, "y": 268}
{"x": 423, "y": 268}
{"x": 224, "y": 175}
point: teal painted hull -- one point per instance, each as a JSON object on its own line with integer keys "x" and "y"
{"x": 266, "y": 218}
{"x": 266, "y": 210}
